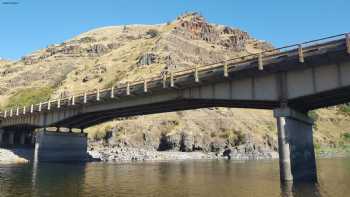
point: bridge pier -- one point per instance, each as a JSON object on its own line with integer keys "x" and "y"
{"x": 11, "y": 138}
{"x": 1, "y": 136}
{"x": 22, "y": 138}
{"x": 60, "y": 147}
{"x": 295, "y": 145}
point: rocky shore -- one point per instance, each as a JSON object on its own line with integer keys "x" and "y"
{"x": 10, "y": 156}
{"x": 109, "y": 153}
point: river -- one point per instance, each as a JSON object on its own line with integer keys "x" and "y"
{"x": 219, "y": 178}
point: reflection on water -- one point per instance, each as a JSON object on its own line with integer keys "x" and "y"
{"x": 166, "y": 179}
{"x": 300, "y": 189}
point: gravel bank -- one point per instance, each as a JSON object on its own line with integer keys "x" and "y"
{"x": 120, "y": 154}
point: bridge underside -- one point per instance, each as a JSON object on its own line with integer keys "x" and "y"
{"x": 304, "y": 104}
{"x": 93, "y": 118}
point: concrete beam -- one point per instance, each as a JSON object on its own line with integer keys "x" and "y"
{"x": 291, "y": 113}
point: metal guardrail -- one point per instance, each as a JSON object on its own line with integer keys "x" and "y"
{"x": 300, "y": 49}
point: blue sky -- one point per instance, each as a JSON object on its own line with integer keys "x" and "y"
{"x": 34, "y": 24}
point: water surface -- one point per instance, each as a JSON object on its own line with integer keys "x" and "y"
{"x": 167, "y": 179}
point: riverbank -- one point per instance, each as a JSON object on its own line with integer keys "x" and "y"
{"x": 16, "y": 155}
{"x": 126, "y": 154}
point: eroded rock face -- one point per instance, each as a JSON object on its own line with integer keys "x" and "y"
{"x": 147, "y": 59}
{"x": 168, "y": 142}
{"x": 194, "y": 26}
{"x": 97, "y": 49}
{"x": 113, "y": 45}
{"x": 28, "y": 60}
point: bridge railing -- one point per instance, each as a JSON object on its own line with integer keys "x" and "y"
{"x": 83, "y": 97}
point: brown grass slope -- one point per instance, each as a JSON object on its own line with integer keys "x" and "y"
{"x": 107, "y": 56}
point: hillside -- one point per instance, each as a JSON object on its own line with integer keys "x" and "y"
{"x": 107, "y": 56}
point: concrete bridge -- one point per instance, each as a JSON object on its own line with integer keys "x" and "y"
{"x": 291, "y": 81}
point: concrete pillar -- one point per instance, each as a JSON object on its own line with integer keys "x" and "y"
{"x": 33, "y": 138}
{"x": 1, "y": 134}
{"x": 60, "y": 147}
{"x": 22, "y": 139}
{"x": 296, "y": 148}
{"x": 11, "y": 138}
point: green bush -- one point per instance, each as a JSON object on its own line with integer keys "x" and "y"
{"x": 234, "y": 137}
{"x": 346, "y": 136}
{"x": 345, "y": 108}
{"x": 152, "y": 33}
{"x": 313, "y": 115}
{"x": 30, "y": 96}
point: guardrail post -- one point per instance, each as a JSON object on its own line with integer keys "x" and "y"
{"x": 5, "y": 114}
{"x": 260, "y": 61}
{"x": 171, "y": 79}
{"x": 17, "y": 111}
{"x": 196, "y": 78}
{"x": 32, "y": 108}
{"x": 225, "y": 70}
{"x": 145, "y": 89}
{"x": 85, "y": 98}
{"x": 11, "y": 112}
{"x": 128, "y": 88}
{"x": 58, "y": 103}
{"x": 73, "y": 100}
{"x": 301, "y": 53}
{"x": 164, "y": 80}
{"x": 112, "y": 92}
{"x": 347, "y": 36}
{"x": 24, "y": 110}
{"x": 49, "y": 105}
{"x": 40, "y": 106}
{"x": 98, "y": 94}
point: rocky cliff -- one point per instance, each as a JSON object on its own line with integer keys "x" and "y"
{"x": 107, "y": 56}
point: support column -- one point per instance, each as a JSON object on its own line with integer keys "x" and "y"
{"x": 32, "y": 139}
{"x": 295, "y": 146}
{"x": 1, "y": 134}
{"x": 60, "y": 146}
{"x": 22, "y": 138}
{"x": 11, "y": 137}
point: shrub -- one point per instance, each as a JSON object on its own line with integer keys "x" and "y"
{"x": 234, "y": 137}
{"x": 313, "y": 115}
{"x": 346, "y": 136}
{"x": 152, "y": 33}
{"x": 345, "y": 108}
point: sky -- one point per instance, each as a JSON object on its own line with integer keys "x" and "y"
{"x": 29, "y": 25}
